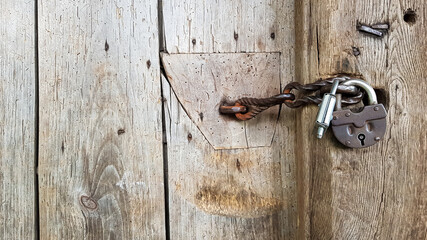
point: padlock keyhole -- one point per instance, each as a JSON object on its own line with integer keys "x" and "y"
{"x": 361, "y": 138}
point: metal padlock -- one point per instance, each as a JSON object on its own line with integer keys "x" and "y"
{"x": 361, "y": 129}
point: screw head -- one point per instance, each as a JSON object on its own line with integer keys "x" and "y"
{"x": 347, "y": 114}
{"x": 377, "y": 139}
{"x": 376, "y": 108}
{"x": 347, "y": 143}
{"x": 335, "y": 118}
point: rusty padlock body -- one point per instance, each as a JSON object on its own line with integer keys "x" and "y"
{"x": 361, "y": 129}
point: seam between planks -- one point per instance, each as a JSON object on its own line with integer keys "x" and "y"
{"x": 162, "y": 47}
{"x": 36, "y": 123}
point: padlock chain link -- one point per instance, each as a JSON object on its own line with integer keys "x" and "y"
{"x": 312, "y": 93}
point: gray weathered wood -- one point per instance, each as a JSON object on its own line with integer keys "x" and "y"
{"x": 204, "y": 82}
{"x": 379, "y": 192}
{"x": 101, "y": 166}
{"x": 17, "y": 120}
{"x": 238, "y": 193}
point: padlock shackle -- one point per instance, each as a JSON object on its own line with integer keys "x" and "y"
{"x": 364, "y": 85}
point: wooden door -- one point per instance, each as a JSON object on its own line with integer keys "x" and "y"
{"x": 110, "y": 126}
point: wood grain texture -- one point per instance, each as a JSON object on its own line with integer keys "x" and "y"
{"x": 101, "y": 166}
{"x": 204, "y": 82}
{"x": 238, "y": 193}
{"x": 379, "y": 192}
{"x": 17, "y": 120}
{"x": 223, "y": 26}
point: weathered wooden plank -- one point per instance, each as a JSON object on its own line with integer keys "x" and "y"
{"x": 17, "y": 120}
{"x": 237, "y": 193}
{"x": 224, "y": 26}
{"x": 101, "y": 171}
{"x": 379, "y": 192}
{"x": 204, "y": 82}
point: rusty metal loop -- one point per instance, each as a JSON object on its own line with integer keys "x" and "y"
{"x": 253, "y": 111}
{"x": 266, "y": 102}
{"x": 247, "y": 108}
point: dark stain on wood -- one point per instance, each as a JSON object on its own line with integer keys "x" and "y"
{"x": 236, "y": 36}
{"x": 272, "y": 35}
{"x": 62, "y": 147}
{"x": 346, "y": 64}
{"x": 238, "y": 165}
{"x": 201, "y": 116}
{"x": 106, "y": 46}
{"x": 261, "y": 45}
{"x": 120, "y": 131}
{"x": 148, "y": 64}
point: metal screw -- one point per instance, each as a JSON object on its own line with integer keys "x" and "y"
{"x": 347, "y": 114}
{"x": 376, "y": 108}
{"x": 377, "y": 139}
{"x": 347, "y": 142}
